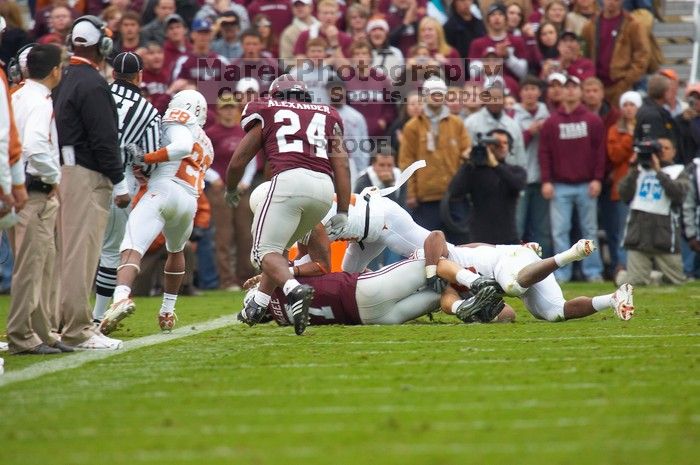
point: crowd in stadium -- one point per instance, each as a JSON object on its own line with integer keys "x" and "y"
{"x": 586, "y": 133}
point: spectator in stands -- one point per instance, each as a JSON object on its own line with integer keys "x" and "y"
{"x": 403, "y": 17}
{"x": 192, "y": 68}
{"x": 252, "y": 63}
{"x": 303, "y": 20}
{"x": 431, "y": 34}
{"x": 419, "y": 66}
{"x": 493, "y": 187}
{"x": 555, "y": 12}
{"x": 369, "y": 89}
{"x": 510, "y": 48}
{"x": 594, "y": 100}
{"x": 387, "y": 58}
{"x": 442, "y": 140}
{"x": 533, "y": 209}
{"x": 129, "y": 38}
{"x": 547, "y": 40}
{"x": 515, "y": 18}
{"x": 570, "y": 59}
{"x": 279, "y": 12}
{"x": 314, "y": 71}
{"x": 155, "y": 30}
{"x": 584, "y": 10}
{"x": 15, "y": 35}
{"x": 691, "y": 219}
{"x": 491, "y": 117}
{"x": 338, "y": 41}
{"x": 555, "y": 91}
{"x": 689, "y": 125}
{"x": 655, "y": 193}
{"x": 620, "y": 145}
{"x": 216, "y": 9}
{"x": 356, "y": 18}
{"x": 463, "y": 27}
{"x": 270, "y": 45}
{"x": 413, "y": 106}
{"x": 653, "y": 120}
{"x": 674, "y": 105}
{"x": 572, "y": 164}
{"x": 155, "y": 78}
{"x": 228, "y": 45}
{"x": 112, "y": 16}
{"x": 60, "y": 23}
{"x": 619, "y": 47}
{"x": 176, "y": 44}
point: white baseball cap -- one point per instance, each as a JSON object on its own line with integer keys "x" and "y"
{"x": 246, "y": 84}
{"x": 305, "y": 2}
{"x": 434, "y": 84}
{"x": 85, "y": 33}
{"x": 559, "y": 77}
{"x": 377, "y": 23}
{"x": 3, "y": 24}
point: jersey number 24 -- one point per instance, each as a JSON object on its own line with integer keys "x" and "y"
{"x": 315, "y": 133}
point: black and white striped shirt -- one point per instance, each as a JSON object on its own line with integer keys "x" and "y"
{"x": 139, "y": 121}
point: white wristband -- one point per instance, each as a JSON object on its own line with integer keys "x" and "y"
{"x": 120, "y": 188}
{"x": 430, "y": 271}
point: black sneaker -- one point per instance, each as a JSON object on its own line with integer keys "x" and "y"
{"x": 299, "y": 300}
{"x": 484, "y": 300}
{"x": 252, "y": 313}
{"x": 482, "y": 282}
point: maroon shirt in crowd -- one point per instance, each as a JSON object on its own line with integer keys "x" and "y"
{"x": 279, "y": 12}
{"x": 195, "y": 68}
{"x": 224, "y": 139}
{"x": 608, "y": 29}
{"x": 582, "y": 68}
{"x": 572, "y": 147}
{"x": 156, "y": 84}
{"x": 478, "y": 49}
{"x": 344, "y": 40}
{"x": 171, "y": 53}
{"x": 264, "y": 70}
{"x": 371, "y": 97}
{"x": 286, "y": 149}
{"x": 334, "y": 301}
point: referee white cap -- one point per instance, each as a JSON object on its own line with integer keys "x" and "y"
{"x": 127, "y": 63}
{"x": 85, "y": 33}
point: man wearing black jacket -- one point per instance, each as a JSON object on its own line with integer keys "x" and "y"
{"x": 494, "y": 189}
{"x": 86, "y": 120}
{"x": 653, "y": 120}
{"x": 462, "y": 27}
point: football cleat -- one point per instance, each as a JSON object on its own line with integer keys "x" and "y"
{"x": 623, "y": 302}
{"x": 299, "y": 300}
{"x": 483, "y": 282}
{"x": 252, "y": 313}
{"x": 482, "y": 304}
{"x": 116, "y": 313}
{"x": 166, "y": 321}
{"x": 583, "y": 248}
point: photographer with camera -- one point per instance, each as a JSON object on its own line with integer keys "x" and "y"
{"x": 658, "y": 119}
{"x": 655, "y": 188}
{"x": 492, "y": 187}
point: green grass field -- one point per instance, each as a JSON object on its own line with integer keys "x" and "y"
{"x": 594, "y": 391}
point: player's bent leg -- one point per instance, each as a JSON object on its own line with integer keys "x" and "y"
{"x": 122, "y": 306}
{"x": 173, "y": 274}
{"x": 545, "y": 300}
{"x": 106, "y": 278}
{"x": 409, "y": 308}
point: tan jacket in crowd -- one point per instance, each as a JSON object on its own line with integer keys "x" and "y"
{"x": 430, "y": 183}
{"x": 630, "y": 59}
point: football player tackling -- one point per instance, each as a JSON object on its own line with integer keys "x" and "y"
{"x": 295, "y": 136}
{"x": 168, "y": 206}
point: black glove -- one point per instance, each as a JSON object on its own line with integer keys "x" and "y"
{"x": 437, "y": 284}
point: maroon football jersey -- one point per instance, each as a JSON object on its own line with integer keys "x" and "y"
{"x": 334, "y": 301}
{"x": 295, "y": 134}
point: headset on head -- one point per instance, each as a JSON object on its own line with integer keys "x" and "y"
{"x": 14, "y": 67}
{"x": 104, "y": 44}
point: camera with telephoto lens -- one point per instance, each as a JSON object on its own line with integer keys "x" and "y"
{"x": 480, "y": 154}
{"x": 645, "y": 148}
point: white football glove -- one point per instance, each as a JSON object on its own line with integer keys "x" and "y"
{"x": 134, "y": 154}
{"x": 232, "y": 197}
{"x": 337, "y": 226}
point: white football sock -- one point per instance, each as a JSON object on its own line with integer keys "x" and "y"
{"x": 101, "y": 304}
{"x": 168, "y": 305}
{"x": 455, "y": 306}
{"x": 261, "y": 299}
{"x": 121, "y": 292}
{"x": 602, "y": 302}
{"x": 466, "y": 277}
{"x": 566, "y": 257}
{"x": 289, "y": 286}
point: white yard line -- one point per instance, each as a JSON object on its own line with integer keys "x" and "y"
{"x": 81, "y": 358}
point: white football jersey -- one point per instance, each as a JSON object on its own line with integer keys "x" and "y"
{"x": 187, "y": 170}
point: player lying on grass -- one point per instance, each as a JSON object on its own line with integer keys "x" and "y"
{"x": 168, "y": 206}
{"x": 517, "y": 271}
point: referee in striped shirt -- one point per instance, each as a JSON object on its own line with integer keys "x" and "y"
{"x": 138, "y": 123}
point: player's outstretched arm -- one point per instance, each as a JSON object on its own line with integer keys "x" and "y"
{"x": 319, "y": 247}
{"x": 246, "y": 150}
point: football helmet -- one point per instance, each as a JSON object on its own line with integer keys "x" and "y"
{"x": 286, "y": 86}
{"x": 192, "y": 102}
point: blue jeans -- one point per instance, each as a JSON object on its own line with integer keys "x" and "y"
{"x": 614, "y": 217}
{"x": 207, "y": 275}
{"x": 566, "y": 196}
{"x": 6, "y": 263}
{"x": 690, "y": 260}
{"x": 532, "y": 218}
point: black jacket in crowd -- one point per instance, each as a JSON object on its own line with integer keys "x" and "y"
{"x": 493, "y": 194}
{"x": 86, "y": 118}
{"x": 661, "y": 124}
{"x": 460, "y": 33}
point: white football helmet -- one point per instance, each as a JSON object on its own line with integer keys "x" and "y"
{"x": 258, "y": 194}
{"x": 193, "y": 102}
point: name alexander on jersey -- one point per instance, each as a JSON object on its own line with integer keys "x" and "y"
{"x": 298, "y": 105}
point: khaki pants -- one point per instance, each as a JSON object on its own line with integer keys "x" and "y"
{"x": 34, "y": 247}
{"x": 85, "y": 197}
{"x": 639, "y": 266}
